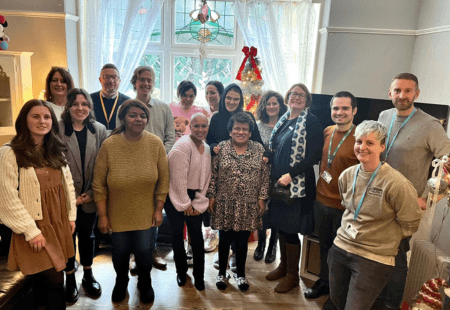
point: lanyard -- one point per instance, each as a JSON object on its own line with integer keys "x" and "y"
{"x": 331, "y": 157}
{"x": 108, "y": 119}
{"x": 365, "y": 191}
{"x": 390, "y": 129}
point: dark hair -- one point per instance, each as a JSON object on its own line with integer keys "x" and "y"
{"x": 222, "y": 108}
{"x": 123, "y": 110}
{"x": 242, "y": 118}
{"x": 305, "y": 89}
{"x": 138, "y": 72}
{"x": 407, "y": 76}
{"x": 71, "y": 97}
{"x": 261, "y": 112}
{"x": 67, "y": 78}
{"x": 184, "y": 86}
{"x": 110, "y": 66}
{"x": 218, "y": 85}
{"x": 345, "y": 94}
{"x": 28, "y": 154}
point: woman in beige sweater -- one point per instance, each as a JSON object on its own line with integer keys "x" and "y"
{"x": 131, "y": 175}
{"x": 37, "y": 201}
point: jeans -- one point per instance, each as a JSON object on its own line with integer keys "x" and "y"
{"x": 392, "y": 293}
{"x": 84, "y": 228}
{"x": 328, "y": 221}
{"x": 355, "y": 281}
{"x": 194, "y": 225}
{"x": 136, "y": 242}
{"x": 241, "y": 240}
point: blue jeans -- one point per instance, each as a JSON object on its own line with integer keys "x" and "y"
{"x": 136, "y": 242}
{"x": 355, "y": 281}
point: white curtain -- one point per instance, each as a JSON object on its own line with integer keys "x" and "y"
{"x": 283, "y": 33}
{"x": 114, "y": 31}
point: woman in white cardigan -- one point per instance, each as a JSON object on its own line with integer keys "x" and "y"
{"x": 190, "y": 173}
{"x": 37, "y": 201}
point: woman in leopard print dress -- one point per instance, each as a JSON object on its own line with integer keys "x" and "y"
{"x": 239, "y": 185}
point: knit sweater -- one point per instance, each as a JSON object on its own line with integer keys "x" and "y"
{"x": 189, "y": 170}
{"x": 19, "y": 209}
{"x": 131, "y": 176}
{"x": 388, "y": 213}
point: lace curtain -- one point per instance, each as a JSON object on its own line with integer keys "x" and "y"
{"x": 115, "y": 31}
{"x": 283, "y": 33}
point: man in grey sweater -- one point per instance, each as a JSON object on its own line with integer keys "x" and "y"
{"x": 414, "y": 137}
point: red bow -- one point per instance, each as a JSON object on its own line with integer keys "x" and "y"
{"x": 249, "y": 53}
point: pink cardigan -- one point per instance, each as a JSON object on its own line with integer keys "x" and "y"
{"x": 189, "y": 170}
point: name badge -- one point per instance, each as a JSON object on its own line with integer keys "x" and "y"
{"x": 351, "y": 231}
{"x": 326, "y": 176}
{"x": 291, "y": 128}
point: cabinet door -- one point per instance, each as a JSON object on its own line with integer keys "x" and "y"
{"x": 6, "y": 101}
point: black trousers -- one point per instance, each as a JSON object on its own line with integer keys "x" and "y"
{"x": 84, "y": 228}
{"x": 240, "y": 238}
{"x": 194, "y": 226}
{"x": 48, "y": 289}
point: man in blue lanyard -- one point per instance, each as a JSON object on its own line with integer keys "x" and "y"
{"x": 337, "y": 156}
{"x": 414, "y": 137}
{"x": 108, "y": 100}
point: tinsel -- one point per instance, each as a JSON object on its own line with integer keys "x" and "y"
{"x": 202, "y": 53}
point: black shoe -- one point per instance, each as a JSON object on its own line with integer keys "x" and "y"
{"x": 199, "y": 284}
{"x": 72, "y": 293}
{"x": 147, "y": 294}
{"x": 329, "y": 305}
{"x": 319, "y": 288}
{"x": 181, "y": 279}
{"x": 259, "y": 251}
{"x": 92, "y": 287}
{"x": 120, "y": 290}
{"x": 271, "y": 254}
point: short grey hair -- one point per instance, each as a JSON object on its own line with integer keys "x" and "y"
{"x": 201, "y": 115}
{"x": 367, "y": 127}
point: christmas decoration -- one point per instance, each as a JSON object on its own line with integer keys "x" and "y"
{"x": 4, "y": 39}
{"x": 250, "y": 78}
{"x": 429, "y": 297}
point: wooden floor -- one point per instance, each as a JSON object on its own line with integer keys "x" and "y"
{"x": 169, "y": 296}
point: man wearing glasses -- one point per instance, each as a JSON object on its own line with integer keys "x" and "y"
{"x": 108, "y": 100}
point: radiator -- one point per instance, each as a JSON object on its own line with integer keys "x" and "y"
{"x": 427, "y": 262}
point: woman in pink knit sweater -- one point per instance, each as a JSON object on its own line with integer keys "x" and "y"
{"x": 190, "y": 173}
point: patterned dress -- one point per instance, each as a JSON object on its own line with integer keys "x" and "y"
{"x": 237, "y": 183}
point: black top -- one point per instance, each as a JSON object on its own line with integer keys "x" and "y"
{"x": 109, "y": 103}
{"x": 82, "y": 140}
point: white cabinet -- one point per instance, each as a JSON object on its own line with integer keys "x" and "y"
{"x": 15, "y": 88}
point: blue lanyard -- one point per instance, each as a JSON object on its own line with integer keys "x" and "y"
{"x": 330, "y": 157}
{"x": 365, "y": 191}
{"x": 390, "y": 129}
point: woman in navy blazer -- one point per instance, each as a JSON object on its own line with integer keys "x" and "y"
{"x": 82, "y": 136}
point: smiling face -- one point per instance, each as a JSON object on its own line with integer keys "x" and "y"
{"x": 232, "y": 100}
{"x": 297, "y": 99}
{"x": 79, "y": 109}
{"x": 110, "y": 80}
{"x": 212, "y": 97}
{"x": 199, "y": 128}
{"x": 39, "y": 122}
{"x": 144, "y": 84}
{"x": 135, "y": 121}
{"x": 368, "y": 149}
{"x": 403, "y": 93}
{"x": 272, "y": 107}
{"x": 57, "y": 85}
{"x": 187, "y": 99}
{"x": 341, "y": 111}
{"x": 240, "y": 134}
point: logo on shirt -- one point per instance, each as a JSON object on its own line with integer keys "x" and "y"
{"x": 375, "y": 191}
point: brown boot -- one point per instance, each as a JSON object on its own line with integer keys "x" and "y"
{"x": 281, "y": 270}
{"x": 292, "y": 279}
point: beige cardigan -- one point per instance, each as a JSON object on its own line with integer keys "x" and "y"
{"x": 20, "y": 209}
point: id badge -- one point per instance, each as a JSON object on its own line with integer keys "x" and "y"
{"x": 351, "y": 231}
{"x": 326, "y": 176}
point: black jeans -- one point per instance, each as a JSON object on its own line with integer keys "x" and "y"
{"x": 194, "y": 226}
{"x": 48, "y": 289}
{"x": 241, "y": 240}
{"x": 84, "y": 228}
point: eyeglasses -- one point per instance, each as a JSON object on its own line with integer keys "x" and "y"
{"x": 110, "y": 77}
{"x": 294, "y": 95}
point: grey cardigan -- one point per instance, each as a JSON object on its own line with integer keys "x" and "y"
{"x": 96, "y": 134}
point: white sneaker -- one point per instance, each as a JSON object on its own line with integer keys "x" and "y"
{"x": 211, "y": 242}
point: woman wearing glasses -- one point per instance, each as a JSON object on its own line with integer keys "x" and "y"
{"x": 57, "y": 84}
{"x": 296, "y": 145}
{"x": 183, "y": 110}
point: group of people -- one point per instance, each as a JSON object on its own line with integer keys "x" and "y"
{"x": 78, "y": 159}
